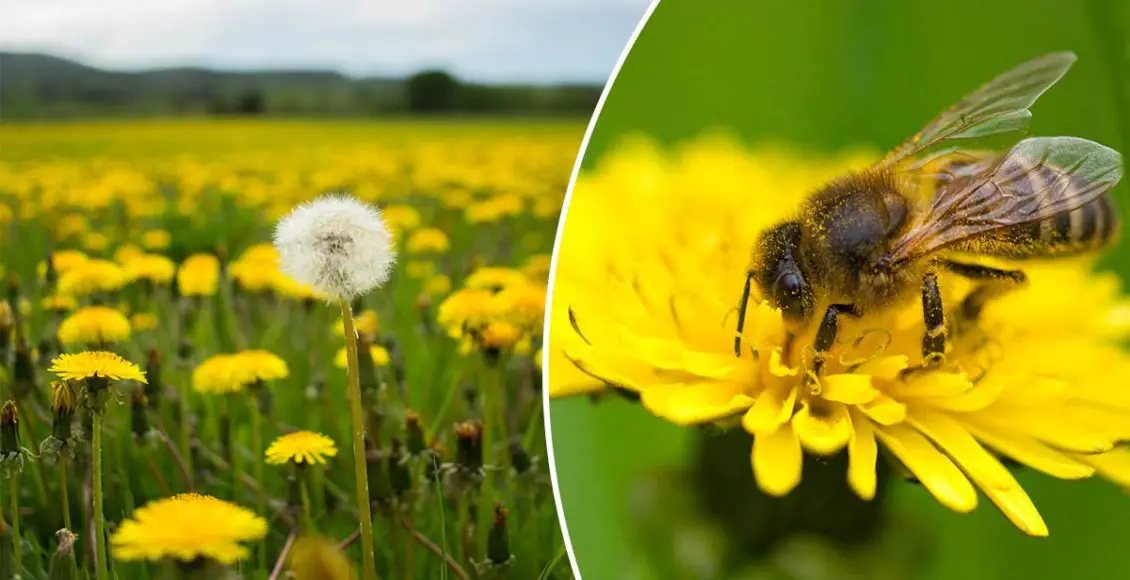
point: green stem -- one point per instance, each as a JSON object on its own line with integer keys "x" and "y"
{"x": 65, "y": 494}
{"x": 257, "y": 453}
{"x": 442, "y": 524}
{"x": 359, "y": 464}
{"x": 99, "y": 518}
{"x": 304, "y": 491}
{"x": 185, "y": 442}
{"x": 17, "y": 543}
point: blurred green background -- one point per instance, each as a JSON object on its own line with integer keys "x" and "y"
{"x": 827, "y": 75}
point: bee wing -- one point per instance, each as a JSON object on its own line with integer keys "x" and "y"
{"x": 1036, "y": 180}
{"x": 1000, "y": 106}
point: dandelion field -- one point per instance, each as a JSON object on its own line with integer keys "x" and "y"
{"x": 153, "y": 241}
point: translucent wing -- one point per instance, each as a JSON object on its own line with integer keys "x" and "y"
{"x": 1036, "y": 180}
{"x": 998, "y": 107}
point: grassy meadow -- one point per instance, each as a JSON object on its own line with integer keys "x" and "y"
{"x": 152, "y": 240}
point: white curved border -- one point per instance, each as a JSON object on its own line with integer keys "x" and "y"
{"x": 553, "y": 277}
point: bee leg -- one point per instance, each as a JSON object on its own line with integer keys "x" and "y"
{"x": 826, "y": 334}
{"x": 934, "y": 338}
{"x": 994, "y": 284}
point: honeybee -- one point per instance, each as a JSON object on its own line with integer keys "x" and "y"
{"x": 866, "y": 241}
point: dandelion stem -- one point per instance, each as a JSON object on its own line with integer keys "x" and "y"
{"x": 99, "y": 518}
{"x": 17, "y": 543}
{"x": 257, "y": 453}
{"x": 359, "y": 463}
{"x": 64, "y": 493}
{"x": 304, "y": 491}
{"x": 185, "y": 442}
{"x": 277, "y": 570}
{"x": 442, "y": 517}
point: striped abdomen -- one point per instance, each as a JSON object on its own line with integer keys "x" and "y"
{"x": 1085, "y": 229}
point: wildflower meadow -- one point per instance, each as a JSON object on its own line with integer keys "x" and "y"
{"x": 262, "y": 349}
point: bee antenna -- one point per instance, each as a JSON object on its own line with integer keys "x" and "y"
{"x": 741, "y": 315}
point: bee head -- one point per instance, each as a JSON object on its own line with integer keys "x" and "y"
{"x": 778, "y": 273}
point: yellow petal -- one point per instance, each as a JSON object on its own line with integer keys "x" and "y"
{"x": 850, "y": 389}
{"x": 980, "y": 396}
{"x": 1113, "y": 465}
{"x": 1029, "y": 451}
{"x": 1017, "y": 506}
{"x": 951, "y": 437}
{"x": 695, "y": 402}
{"x": 777, "y": 366}
{"x": 886, "y": 367}
{"x": 610, "y": 367}
{"x": 823, "y": 428}
{"x": 936, "y": 472}
{"x": 777, "y": 460}
{"x": 862, "y": 453}
{"x": 885, "y": 410}
{"x": 773, "y": 408}
{"x": 932, "y": 384}
{"x": 1068, "y": 436}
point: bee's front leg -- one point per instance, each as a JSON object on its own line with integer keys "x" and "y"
{"x": 934, "y": 338}
{"x": 826, "y": 334}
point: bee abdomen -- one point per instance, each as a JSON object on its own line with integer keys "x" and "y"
{"x": 1086, "y": 229}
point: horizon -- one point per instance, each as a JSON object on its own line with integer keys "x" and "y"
{"x": 491, "y": 42}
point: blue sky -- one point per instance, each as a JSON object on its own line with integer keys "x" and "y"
{"x": 485, "y": 40}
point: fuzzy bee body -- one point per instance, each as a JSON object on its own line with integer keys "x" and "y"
{"x": 868, "y": 240}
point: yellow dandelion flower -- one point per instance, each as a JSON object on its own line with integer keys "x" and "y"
{"x": 378, "y": 353}
{"x": 59, "y": 303}
{"x": 427, "y": 241}
{"x": 143, "y": 321}
{"x": 92, "y": 277}
{"x": 500, "y": 334}
{"x": 651, "y": 310}
{"x": 401, "y": 218}
{"x": 64, "y": 260}
{"x": 257, "y": 268}
{"x": 524, "y": 305}
{"x": 95, "y": 241}
{"x": 367, "y": 323}
{"x": 126, "y": 252}
{"x": 467, "y": 308}
{"x": 71, "y": 226}
{"x": 153, "y": 268}
{"x": 251, "y": 366}
{"x": 186, "y": 527}
{"x": 495, "y": 278}
{"x": 94, "y": 325}
{"x": 301, "y": 447}
{"x": 156, "y": 239}
{"x": 537, "y": 267}
{"x": 199, "y": 275}
{"x": 215, "y": 376}
{"x": 291, "y": 288}
{"x": 317, "y": 558}
{"x": 437, "y": 285}
{"x": 90, "y": 364}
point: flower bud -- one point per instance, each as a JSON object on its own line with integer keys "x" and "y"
{"x": 519, "y": 458}
{"x": 9, "y": 431}
{"x": 318, "y": 559}
{"x": 23, "y": 370}
{"x": 498, "y": 542}
{"x": 416, "y": 440}
{"x": 63, "y": 566}
{"x": 153, "y": 375}
{"x": 469, "y": 450}
{"x": 139, "y": 418}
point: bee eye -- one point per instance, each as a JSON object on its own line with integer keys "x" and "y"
{"x": 791, "y": 295}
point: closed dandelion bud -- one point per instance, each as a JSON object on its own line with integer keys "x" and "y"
{"x": 153, "y": 374}
{"x": 519, "y": 458}
{"x": 398, "y": 475}
{"x": 498, "y": 542}
{"x": 318, "y": 559}
{"x": 415, "y": 439}
{"x": 64, "y": 400}
{"x": 9, "y": 431}
{"x": 139, "y": 419}
{"x": 63, "y": 566}
{"x": 469, "y": 452}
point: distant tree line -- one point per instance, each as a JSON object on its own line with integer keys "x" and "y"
{"x": 38, "y": 86}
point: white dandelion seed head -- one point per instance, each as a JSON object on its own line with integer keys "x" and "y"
{"x": 336, "y": 244}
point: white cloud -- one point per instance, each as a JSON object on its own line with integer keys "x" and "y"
{"x": 481, "y": 39}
